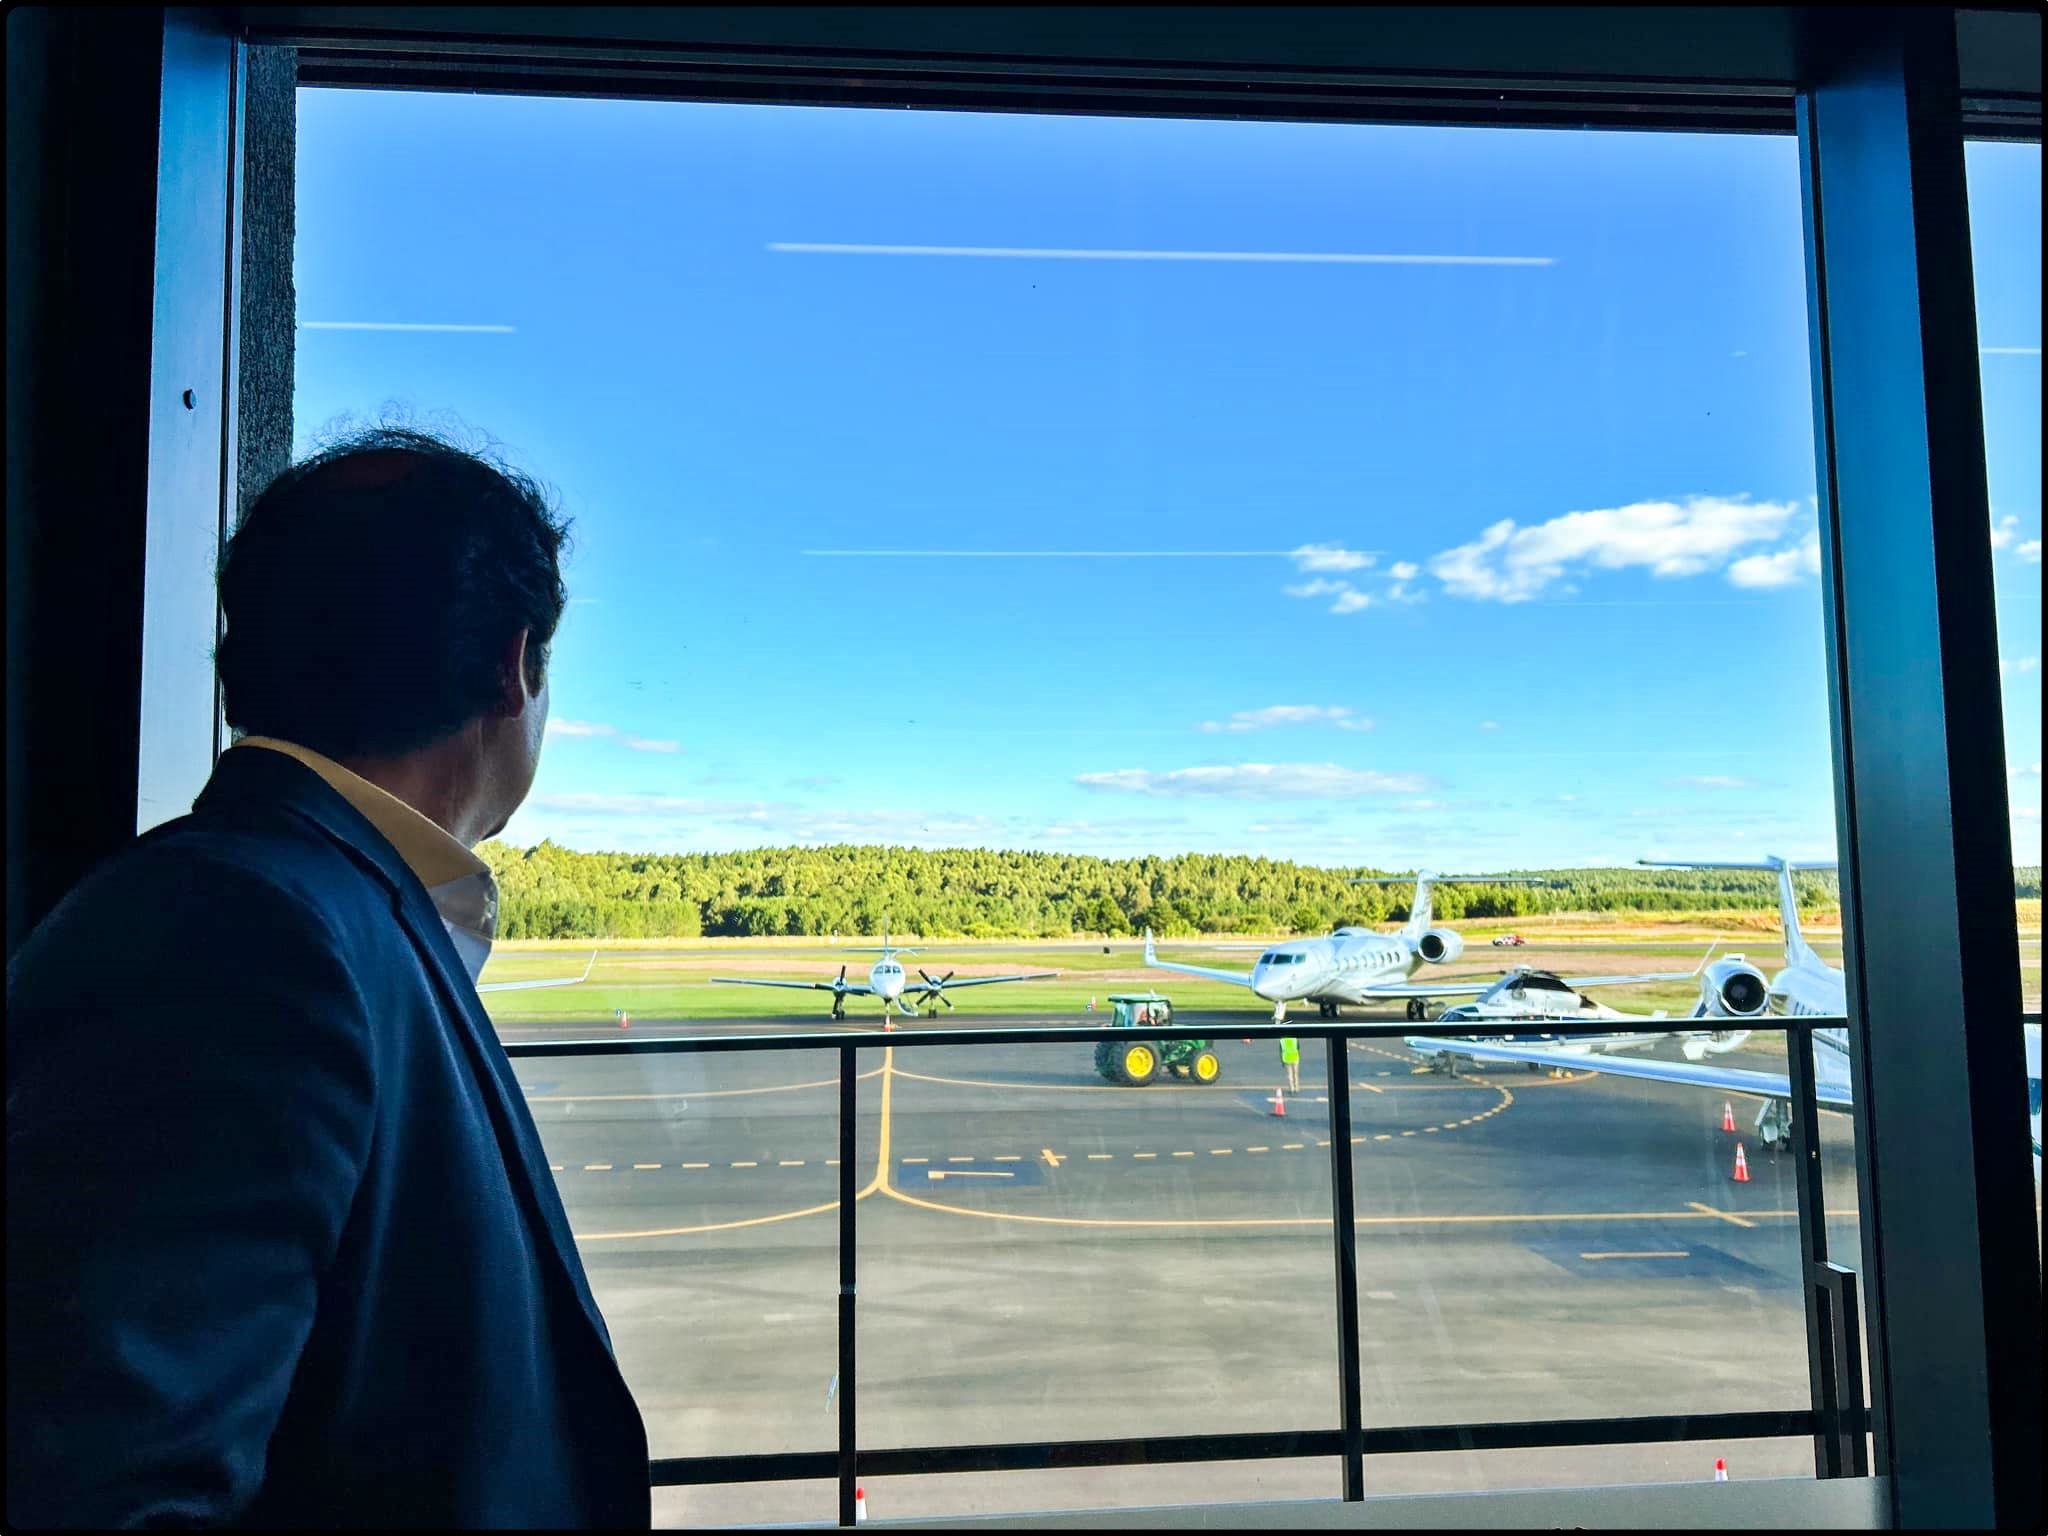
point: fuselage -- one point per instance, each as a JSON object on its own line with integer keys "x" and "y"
{"x": 885, "y": 976}
{"x": 1334, "y": 969}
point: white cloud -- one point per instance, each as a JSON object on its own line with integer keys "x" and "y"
{"x": 1511, "y": 564}
{"x": 2019, "y": 664}
{"x": 2029, "y": 551}
{"x": 2031, "y": 771}
{"x": 1710, "y": 781}
{"x": 1404, "y": 570}
{"x": 2026, "y": 813}
{"x": 1288, "y": 714}
{"x": 2003, "y": 531}
{"x": 1259, "y": 781}
{"x": 1779, "y": 569}
{"x": 1331, "y": 557}
{"x": 1489, "y": 725}
{"x": 1320, "y": 587}
{"x": 1351, "y": 602}
{"x": 627, "y": 739}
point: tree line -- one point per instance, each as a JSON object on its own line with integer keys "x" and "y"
{"x": 551, "y": 892}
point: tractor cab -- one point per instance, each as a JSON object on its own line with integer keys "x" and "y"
{"x": 1149, "y": 1008}
{"x": 1134, "y": 1063}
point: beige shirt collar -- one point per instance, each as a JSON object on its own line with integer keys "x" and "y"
{"x": 459, "y": 883}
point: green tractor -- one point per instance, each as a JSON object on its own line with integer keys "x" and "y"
{"x": 1137, "y": 1062}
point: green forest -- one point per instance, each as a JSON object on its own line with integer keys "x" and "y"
{"x": 551, "y": 892}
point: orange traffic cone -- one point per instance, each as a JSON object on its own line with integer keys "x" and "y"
{"x": 1279, "y": 1102}
{"x": 1720, "y": 1469}
{"x": 625, "y": 1019}
{"x": 1741, "y": 1165}
{"x": 1728, "y": 1116}
{"x": 860, "y": 1505}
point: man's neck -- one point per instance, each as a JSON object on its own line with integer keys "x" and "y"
{"x": 435, "y": 781}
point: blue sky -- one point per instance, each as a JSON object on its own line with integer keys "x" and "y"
{"x": 964, "y": 479}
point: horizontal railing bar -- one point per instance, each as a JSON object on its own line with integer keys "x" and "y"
{"x": 1078, "y": 1034}
{"x": 1538, "y": 1434}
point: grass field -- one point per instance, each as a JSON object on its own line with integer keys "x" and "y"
{"x": 669, "y": 979}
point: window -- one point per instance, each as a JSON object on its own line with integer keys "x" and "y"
{"x": 969, "y": 508}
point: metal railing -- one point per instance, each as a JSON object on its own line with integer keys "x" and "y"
{"x": 1836, "y": 1416}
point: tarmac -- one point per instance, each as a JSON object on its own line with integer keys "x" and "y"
{"x": 1045, "y": 1256}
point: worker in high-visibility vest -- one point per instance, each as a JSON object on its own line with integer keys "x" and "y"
{"x": 1290, "y": 1058}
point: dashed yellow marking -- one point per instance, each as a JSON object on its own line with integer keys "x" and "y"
{"x": 1258, "y": 1149}
{"x": 787, "y": 1164}
{"x": 959, "y": 1159}
{"x": 597, "y": 1167}
{"x": 647, "y": 1165}
{"x": 1668, "y": 1253}
{"x": 1010, "y": 1157}
{"x": 1183, "y": 1154}
{"x": 1292, "y": 1146}
{"x": 554, "y": 1167}
{"x": 1383, "y": 1136}
{"x": 917, "y": 1159}
{"x": 1221, "y": 1151}
{"x": 746, "y": 1165}
{"x": 696, "y": 1165}
{"x": 1103, "y": 1157}
{"x": 1407, "y": 1133}
{"x": 1051, "y": 1157}
{"x": 1144, "y": 1154}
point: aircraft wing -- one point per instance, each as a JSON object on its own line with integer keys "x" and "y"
{"x": 860, "y": 987}
{"x": 1769, "y": 1085}
{"x": 1474, "y": 989}
{"x": 1235, "y": 978}
{"x": 979, "y": 981}
{"x": 524, "y": 986}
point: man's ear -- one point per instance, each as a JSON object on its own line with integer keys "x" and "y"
{"x": 521, "y": 667}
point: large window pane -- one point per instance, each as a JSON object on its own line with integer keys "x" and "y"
{"x": 1021, "y": 533}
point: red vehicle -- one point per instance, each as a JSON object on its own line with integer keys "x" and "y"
{"x": 1509, "y": 941}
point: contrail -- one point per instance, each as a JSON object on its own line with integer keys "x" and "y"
{"x": 1334, "y": 258}
{"x": 395, "y": 325}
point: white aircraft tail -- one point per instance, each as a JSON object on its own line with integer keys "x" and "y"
{"x": 1422, "y": 909}
{"x": 1797, "y": 951}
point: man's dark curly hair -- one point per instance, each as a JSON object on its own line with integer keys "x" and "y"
{"x": 369, "y": 594}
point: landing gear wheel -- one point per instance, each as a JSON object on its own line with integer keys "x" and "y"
{"x": 1204, "y": 1067}
{"x": 1137, "y": 1064}
{"x": 1416, "y": 1010}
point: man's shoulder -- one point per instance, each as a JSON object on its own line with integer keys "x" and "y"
{"x": 209, "y": 879}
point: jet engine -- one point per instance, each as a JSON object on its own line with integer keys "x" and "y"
{"x": 1440, "y": 946}
{"x": 1732, "y": 988}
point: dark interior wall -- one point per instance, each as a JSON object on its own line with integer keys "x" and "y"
{"x": 83, "y": 97}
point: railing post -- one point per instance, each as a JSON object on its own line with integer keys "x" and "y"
{"x": 1343, "y": 1224}
{"x": 849, "y": 1084}
{"x": 1813, "y": 1248}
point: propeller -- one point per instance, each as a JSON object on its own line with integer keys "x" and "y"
{"x": 936, "y": 988}
{"x": 840, "y": 984}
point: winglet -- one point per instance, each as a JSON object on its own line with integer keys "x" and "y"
{"x": 587, "y": 968}
{"x": 1701, "y": 967}
{"x": 1151, "y": 957}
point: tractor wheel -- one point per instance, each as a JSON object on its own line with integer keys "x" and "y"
{"x": 1203, "y": 1067}
{"x": 1137, "y": 1063}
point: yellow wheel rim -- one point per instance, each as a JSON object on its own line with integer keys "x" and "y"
{"x": 1205, "y": 1068}
{"x": 1138, "y": 1061}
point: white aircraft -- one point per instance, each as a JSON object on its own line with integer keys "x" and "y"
{"x": 1808, "y": 987}
{"x": 523, "y": 986}
{"x": 1530, "y": 994}
{"x": 887, "y": 980}
{"x": 1357, "y": 965}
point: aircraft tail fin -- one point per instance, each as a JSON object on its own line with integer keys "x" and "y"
{"x": 1797, "y": 950}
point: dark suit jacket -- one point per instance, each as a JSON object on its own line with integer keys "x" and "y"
{"x": 282, "y": 1245}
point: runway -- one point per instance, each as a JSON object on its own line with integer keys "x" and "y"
{"x": 1045, "y": 1256}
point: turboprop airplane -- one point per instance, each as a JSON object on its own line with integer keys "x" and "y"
{"x": 888, "y": 981}
{"x": 1807, "y": 987}
{"x": 1357, "y": 965}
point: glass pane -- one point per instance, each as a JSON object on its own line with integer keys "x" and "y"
{"x": 2005, "y": 250}
{"x": 1007, "y": 541}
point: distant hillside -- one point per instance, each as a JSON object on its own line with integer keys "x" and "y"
{"x": 554, "y": 892}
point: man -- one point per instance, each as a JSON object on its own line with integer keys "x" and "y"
{"x": 283, "y": 1248}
